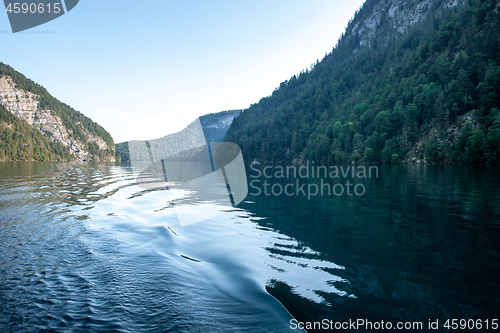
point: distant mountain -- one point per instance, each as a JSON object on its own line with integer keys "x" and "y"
{"x": 36, "y": 126}
{"x": 214, "y": 126}
{"x": 412, "y": 81}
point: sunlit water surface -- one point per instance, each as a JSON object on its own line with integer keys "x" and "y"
{"x": 83, "y": 248}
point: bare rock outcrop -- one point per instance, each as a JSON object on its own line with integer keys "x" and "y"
{"x": 25, "y": 105}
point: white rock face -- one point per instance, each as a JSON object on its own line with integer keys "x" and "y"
{"x": 224, "y": 122}
{"x": 402, "y": 14}
{"x": 24, "y": 105}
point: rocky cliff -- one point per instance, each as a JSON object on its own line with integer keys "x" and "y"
{"x": 386, "y": 20}
{"x": 60, "y": 123}
{"x": 215, "y": 125}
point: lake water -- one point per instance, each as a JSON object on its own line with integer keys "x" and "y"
{"x": 83, "y": 248}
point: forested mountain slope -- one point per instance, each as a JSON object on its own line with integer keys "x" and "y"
{"x": 409, "y": 81}
{"x": 21, "y": 141}
{"x": 36, "y": 126}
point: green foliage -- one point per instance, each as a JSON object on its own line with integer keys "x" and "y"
{"x": 122, "y": 151}
{"x": 411, "y": 98}
{"x": 432, "y": 152}
{"x": 369, "y": 155}
{"x": 74, "y": 121}
{"x": 491, "y": 142}
{"x": 20, "y": 141}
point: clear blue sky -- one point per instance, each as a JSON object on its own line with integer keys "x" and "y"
{"x": 144, "y": 69}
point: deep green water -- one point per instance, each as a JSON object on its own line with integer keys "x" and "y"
{"x": 82, "y": 248}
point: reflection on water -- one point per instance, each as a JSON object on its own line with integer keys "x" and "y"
{"x": 422, "y": 243}
{"x": 83, "y": 247}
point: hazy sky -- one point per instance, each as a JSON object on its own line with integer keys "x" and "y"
{"x": 144, "y": 69}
